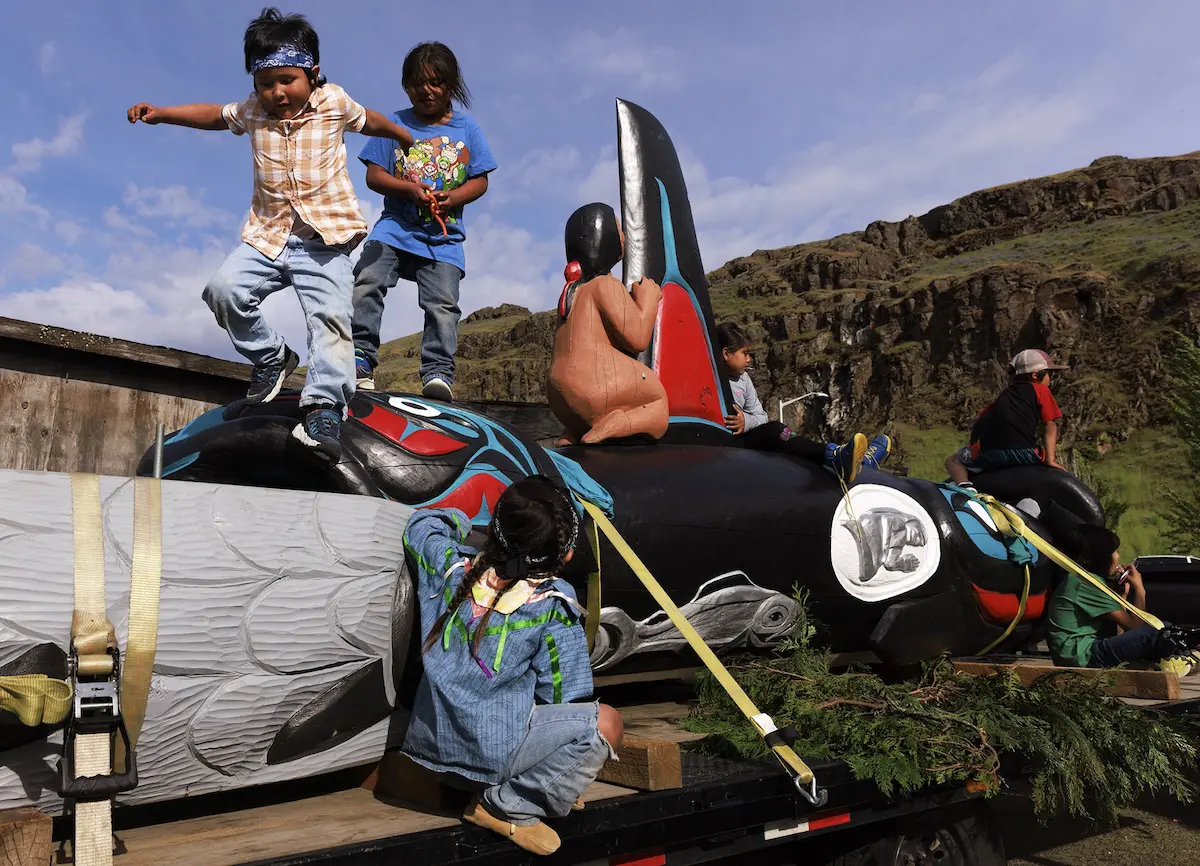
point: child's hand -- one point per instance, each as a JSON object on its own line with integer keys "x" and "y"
{"x": 145, "y": 112}
{"x": 442, "y": 197}
{"x": 418, "y": 192}
{"x": 736, "y": 422}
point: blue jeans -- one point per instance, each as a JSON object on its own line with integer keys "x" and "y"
{"x": 561, "y": 754}
{"x": 378, "y": 269}
{"x": 321, "y": 276}
{"x": 1142, "y": 644}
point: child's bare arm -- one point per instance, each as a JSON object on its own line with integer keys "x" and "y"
{"x": 199, "y": 115}
{"x": 1051, "y": 439}
{"x": 380, "y": 180}
{"x": 379, "y": 126}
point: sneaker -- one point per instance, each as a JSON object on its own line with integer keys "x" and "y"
{"x": 363, "y": 374}
{"x": 321, "y": 431}
{"x": 438, "y": 388}
{"x": 267, "y": 379}
{"x": 878, "y": 450}
{"x": 847, "y": 459}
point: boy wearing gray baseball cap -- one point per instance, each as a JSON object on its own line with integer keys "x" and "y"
{"x": 1005, "y": 432}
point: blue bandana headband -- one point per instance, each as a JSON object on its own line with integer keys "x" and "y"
{"x": 288, "y": 55}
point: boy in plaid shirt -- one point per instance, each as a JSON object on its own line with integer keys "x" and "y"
{"x": 304, "y": 218}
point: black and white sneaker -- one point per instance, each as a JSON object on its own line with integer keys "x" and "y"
{"x": 267, "y": 379}
{"x": 438, "y": 388}
{"x": 321, "y": 431}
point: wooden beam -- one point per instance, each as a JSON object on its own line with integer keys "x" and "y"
{"x": 24, "y": 837}
{"x": 1148, "y": 685}
{"x": 644, "y": 764}
{"x": 399, "y": 779}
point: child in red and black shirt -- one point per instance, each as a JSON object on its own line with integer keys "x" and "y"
{"x": 1005, "y": 433}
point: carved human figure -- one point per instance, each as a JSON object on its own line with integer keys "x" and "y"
{"x": 596, "y": 389}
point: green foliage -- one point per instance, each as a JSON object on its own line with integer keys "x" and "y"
{"x": 1111, "y": 499}
{"x": 1183, "y": 514}
{"x": 1088, "y": 753}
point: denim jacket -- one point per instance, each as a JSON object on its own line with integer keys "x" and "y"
{"x": 469, "y": 716}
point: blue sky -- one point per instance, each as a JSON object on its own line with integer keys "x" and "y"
{"x": 795, "y": 121}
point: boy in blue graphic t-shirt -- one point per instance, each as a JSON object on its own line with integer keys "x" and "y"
{"x": 420, "y": 235}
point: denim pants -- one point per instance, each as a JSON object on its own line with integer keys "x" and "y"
{"x": 321, "y": 276}
{"x": 1142, "y": 644}
{"x": 378, "y": 269}
{"x": 561, "y": 754}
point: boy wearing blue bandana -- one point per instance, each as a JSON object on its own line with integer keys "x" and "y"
{"x": 304, "y": 218}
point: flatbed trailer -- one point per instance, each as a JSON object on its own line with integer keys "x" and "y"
{"x": 727, "y": 811}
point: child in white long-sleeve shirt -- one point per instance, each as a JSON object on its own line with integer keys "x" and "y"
{"x": 749, "y": 419}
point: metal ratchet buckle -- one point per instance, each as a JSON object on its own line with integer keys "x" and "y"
{"x": 95, "y": 709}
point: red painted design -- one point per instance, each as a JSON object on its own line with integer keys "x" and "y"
{"x": 429, "y": 443}
{"x": 1001, "y": 607}
{"x": 387, "y": 424}
{"x": 683, "y": 359}
{"x": 472, "y": 495}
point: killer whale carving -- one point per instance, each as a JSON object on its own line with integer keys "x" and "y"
{"x": 286, "y": 636}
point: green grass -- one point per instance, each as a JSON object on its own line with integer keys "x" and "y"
{"x": 1121, "y": 246}
{"x": 1140, "y": 469}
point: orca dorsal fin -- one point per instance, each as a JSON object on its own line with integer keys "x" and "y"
{"x": 660, "y": 243}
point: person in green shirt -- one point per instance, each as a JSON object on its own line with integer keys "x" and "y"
{"x": 1083, "y": 621}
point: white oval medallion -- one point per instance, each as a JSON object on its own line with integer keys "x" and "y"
{"x": 882, "y": 543}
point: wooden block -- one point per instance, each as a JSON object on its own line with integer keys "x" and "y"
{"x": 644, "y": 764}
{"x": 24, "y": 837}
{"x": 1147, "y": 685}
{"x": 399, "y": 778}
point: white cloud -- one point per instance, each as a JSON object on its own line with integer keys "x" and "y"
{"x": 29, "y": 261}
{"x": 603, "y": 181}
{"x": 48, "y": 58}
{"x": 626, "y": 56}
{"x": 28, "y": 155}
{"x": 69, "y": 231}
{"x": 114, "y": 219}
{"x": 538, "y": 174}
{"x": 176, "y": 205}
{"x": 14, "y": 199}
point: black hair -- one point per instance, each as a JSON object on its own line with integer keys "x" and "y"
{"x": 534, "y": 528}
{"x": 593, "y": 240}
{"x": 730, "y": 337}
{"x": 272, "y": 30}
{"x": 440, "y": 60}
{"x": 1092, "y": 547}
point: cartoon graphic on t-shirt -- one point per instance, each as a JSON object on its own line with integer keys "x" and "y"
{"x": 436, "y": 162}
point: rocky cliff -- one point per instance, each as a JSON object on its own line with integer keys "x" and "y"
{"x": 913, "y": 321}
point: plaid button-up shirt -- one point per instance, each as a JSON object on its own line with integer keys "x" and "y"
{"x": 300, "y": 169}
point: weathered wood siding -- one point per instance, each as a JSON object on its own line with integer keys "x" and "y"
{"x": 74, "y": 402}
